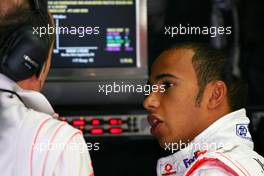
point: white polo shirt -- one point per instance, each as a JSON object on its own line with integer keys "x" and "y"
{"x": 32, "y": 142}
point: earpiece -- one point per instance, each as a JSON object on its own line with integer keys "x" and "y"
{"x": 23, "y": 54}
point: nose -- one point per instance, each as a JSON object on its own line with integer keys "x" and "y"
{"x": 151, "y": 102}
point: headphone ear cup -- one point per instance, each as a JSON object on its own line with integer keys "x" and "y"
{"x": 25, "y": 55}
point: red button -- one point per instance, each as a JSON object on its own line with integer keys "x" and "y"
{"x": 116, "y": 130}
{"x": 97, "y": 131}
{"x": 78, "y": 122}
{"x": 95, "y": 122}
{"x": 115, "y": 122}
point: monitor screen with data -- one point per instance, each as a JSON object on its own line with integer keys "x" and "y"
{"x": 94, "y": 33}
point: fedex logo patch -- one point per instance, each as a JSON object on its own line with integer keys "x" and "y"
{"x": 187, "y": 162}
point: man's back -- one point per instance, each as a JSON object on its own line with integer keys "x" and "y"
{"x": 33, "y": 143}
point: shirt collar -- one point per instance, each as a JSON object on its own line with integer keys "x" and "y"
{"x": 32, "y": 99}
{"x": 229, "y": 129}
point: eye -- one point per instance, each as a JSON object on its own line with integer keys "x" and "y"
{"x": 166, "y": 85}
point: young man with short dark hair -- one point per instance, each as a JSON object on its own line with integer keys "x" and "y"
{"x": 200, "y": 115}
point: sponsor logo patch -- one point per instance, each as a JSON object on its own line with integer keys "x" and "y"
{"x": 168, "y": 169}
{"x": 187, "y": 162}
{"x": 242, "y": 131}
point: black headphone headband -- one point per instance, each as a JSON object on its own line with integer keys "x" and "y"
{"x": 41, "y": 9}
{"x": 23, "y": 53}
{"x": 36, "y": 5}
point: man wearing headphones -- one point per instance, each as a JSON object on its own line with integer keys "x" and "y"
{"x": 32, "y": 142}
{"x": 201, "y": 115}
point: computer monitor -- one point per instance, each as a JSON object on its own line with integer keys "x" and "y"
{"x": 99, "y": 39}
{"x": 97, "y": 42}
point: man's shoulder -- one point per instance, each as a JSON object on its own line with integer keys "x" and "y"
{"x": 233, "y": 159}
{"x": 42, "y": 138}
{"x": 242, "y": 156}
{"x": 44, "y": 127}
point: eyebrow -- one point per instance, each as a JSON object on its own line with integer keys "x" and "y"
{"x": 164, "y": 75}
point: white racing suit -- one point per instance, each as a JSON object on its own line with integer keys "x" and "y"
{"x": 32, "y": 142}
{"x": 225, "y": 148}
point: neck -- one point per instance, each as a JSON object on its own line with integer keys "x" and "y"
{"x": 30, "y": 84}
{"x": 215, "y": 114}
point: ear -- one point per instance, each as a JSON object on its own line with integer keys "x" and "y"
{"x": 217, "y": 94}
